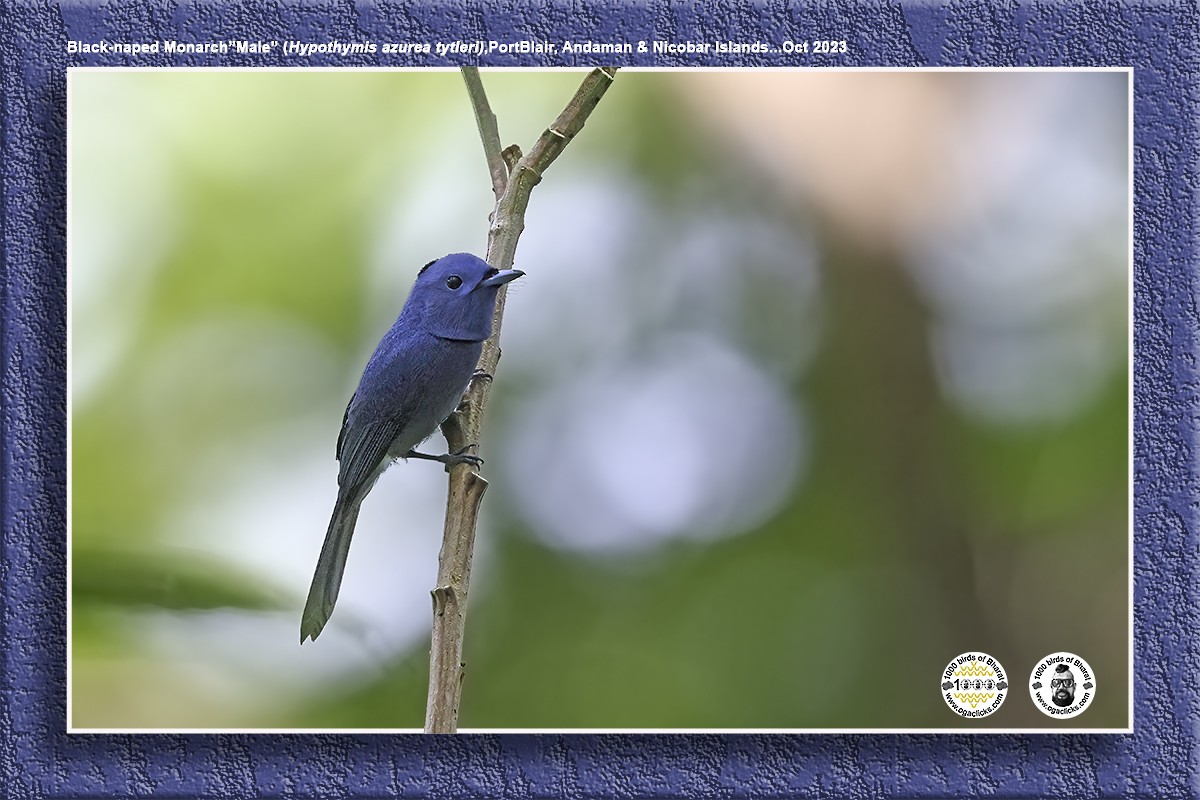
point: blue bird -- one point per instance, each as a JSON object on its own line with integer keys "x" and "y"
{"x": 411, "y": 384}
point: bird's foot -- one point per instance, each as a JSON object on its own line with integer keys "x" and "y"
{"x": 450, "y": 459}
{"x": 462, "y": 457}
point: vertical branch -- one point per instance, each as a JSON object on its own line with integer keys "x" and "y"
{"x": 513, "y": 179}
{"x": 489, "y": 132}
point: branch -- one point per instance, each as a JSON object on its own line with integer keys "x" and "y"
{"x": 489, "y": 132}
{"x": 465, "y": 425}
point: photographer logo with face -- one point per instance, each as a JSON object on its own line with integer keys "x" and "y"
{"x": 1062, "y": 685}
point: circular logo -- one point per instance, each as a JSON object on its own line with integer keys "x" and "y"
{"x": 1062, "y": 685}
{"x": 974, "y": 685}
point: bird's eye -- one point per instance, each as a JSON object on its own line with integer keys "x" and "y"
{"x": 454, "y": 281}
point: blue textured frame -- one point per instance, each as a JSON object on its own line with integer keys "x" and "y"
{"x": 39, "y": 760}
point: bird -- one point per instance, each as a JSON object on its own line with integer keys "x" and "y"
{"x": 413, "y": 381}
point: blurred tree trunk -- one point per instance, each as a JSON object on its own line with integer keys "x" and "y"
{"x": 877, "y": 393}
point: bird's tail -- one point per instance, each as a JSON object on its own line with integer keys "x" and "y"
{"x": 328, "y": 576}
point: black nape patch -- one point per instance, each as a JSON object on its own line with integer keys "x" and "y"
{"x": 427, "y": 266}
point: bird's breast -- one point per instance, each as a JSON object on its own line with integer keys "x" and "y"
{"x": 428, "y": 385}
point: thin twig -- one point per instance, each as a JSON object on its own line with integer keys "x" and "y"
{"x": 489, "y": 132}
{"x": 465, "y": 425}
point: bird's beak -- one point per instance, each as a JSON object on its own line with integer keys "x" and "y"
{"x": 502, "y": 277}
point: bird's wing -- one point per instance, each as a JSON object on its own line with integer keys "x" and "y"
{"x": 362, "y": 448}
{"x": 342, "y": 432}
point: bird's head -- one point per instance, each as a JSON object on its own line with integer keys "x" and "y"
{"x": 454, "y": 297}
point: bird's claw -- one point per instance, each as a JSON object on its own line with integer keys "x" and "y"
{"x": 450, "y": 459}
{"x": 462, "y": 457}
